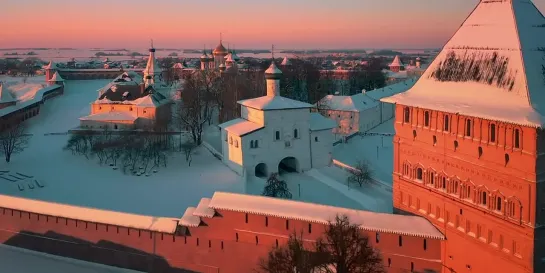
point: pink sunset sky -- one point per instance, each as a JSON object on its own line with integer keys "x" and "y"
{"x": 244, "y": 23}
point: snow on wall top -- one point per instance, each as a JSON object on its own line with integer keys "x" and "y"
{"x": 274, "y": 103}
{"x": 371, "y": 221}
{"x": 203, "y": 210}
{"x": 391, "y": 90}
{"x": 319, "y": 122}
{"x": 189, "y": 219}
{"x": 491, "y": 68}
{"x": 159, "y": 224}
{"x": 56, "y": 77}
{"x": 240, "y": 127}
{"x": 355, "y": 103}
{"x": 5, "y": 95}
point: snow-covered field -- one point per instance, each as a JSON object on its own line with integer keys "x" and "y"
{"x": 13, "y": 259}
{"x": 75, "y": 180}
{"x": 377, "y": 151}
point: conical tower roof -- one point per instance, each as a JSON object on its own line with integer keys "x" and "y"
{"x": 152, "y": 68}
{"x": 5, "y": 95}
{"x": 286, "y": 61}
{"x": 491, "y": 68}
{"x": 273, "y": 70}
{"x": 51, "y": 65}
{"x": 396, "y": 62}
{"x": 56, "y": 77}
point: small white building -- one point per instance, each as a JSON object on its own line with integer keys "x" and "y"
{"x": 363, "y": 111}
{"x": 276, "y": 134}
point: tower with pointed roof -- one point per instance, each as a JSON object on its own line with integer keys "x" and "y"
{"x": 469, "y": 145}
{"x": 153, "y": 72}
{"x": 56, "y": 79}
{"x": 205, "y": 60}
{"x": 396, "y": 64}
{"x": 50, "y": 70}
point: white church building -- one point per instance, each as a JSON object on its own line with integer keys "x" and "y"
{"x": 276, "y": 134}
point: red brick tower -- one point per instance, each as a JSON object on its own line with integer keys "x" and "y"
{"x": 469, "y": 146}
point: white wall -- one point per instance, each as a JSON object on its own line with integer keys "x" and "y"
{"x": 322, "y": 148}
{"x": 369, "y": 119}
{"x": 232, "y": 155}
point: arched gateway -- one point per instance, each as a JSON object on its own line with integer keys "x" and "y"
{"x": 288, "y": 165}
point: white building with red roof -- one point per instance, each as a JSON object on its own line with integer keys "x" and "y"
{"x": 276, "y": 134}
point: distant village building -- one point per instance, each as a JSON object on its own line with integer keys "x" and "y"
{"x": 128, "y": 103}
{"x": 363, "y": 111}
{"x": 131, "y": 102}
{"x": 276, "y": 133}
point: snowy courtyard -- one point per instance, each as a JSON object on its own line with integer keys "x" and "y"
{"x": 72, "y": 179}
{"x": 376, "y": 150}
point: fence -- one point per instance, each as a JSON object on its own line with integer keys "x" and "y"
{"x": 347, "y": 167}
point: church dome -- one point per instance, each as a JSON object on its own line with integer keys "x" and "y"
{"x": 204, "y": 56}
{"x": 220, "y": 49}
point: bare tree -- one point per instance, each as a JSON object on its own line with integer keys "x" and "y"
{"x": 294, "y": 257}
{"x": 276, "y": 187}
{"x": 346, "y": 249}
{"x": 194, "y": 111}
{"x": 361, "y": 174}
{"x": 189, "y": 149}
{"x": 14, "y": 140}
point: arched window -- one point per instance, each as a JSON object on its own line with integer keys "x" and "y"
{"x": 483, "y": 198}
{"x": 480, "y": 151}
{"x": 230, "y": 140}
{"x": 444, "y": 183}
{"x": 431, "y": 178}
{"x": 295, "y": 133}
{"x": 446, "y": 123}
{"x": 466, "y": 191}
{"x": 236, "y": 143}
{"x": 315, "y": 139}
{"x": 406, "y": 115}
{"x": 400, "y": 241}
{"x": 377, "y": 237}
{"x": 492, "y": 133}
{"x": 427, "y": 118}
{"x": 468, "y": 127}
{"x": 419, "y": 174}
{"x": 277, "y": 135}
{"x": 256, "y": 143}
{"x": 251, "y": 144}
{"x": 517, "y": 139}
{"x": 498, "y": 203}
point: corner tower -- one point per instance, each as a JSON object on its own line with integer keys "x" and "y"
{"x": 469, "y": 150}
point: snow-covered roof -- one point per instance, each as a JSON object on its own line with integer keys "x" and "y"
{"x": 203, "y": 210}
{"x": 274, "y": 103}
{"x": 391, "y": 90}
{"x": 286, "y": 61}
{"x": 273, "y": 69}
{"x": 396, "y": 62}
{"x": 56, "y": 77}
{"x": 356, "y": 103}
{"x": 491, "y": 68}
{"x": 35, "y": 97}
{"x": 160, "y": 224}
{"x": 5, "y": 95}
{"x": 240, "y": 127}
{"x": 111, "y": 116}
{"x": 189, "y": 219}
{"x": 319, "y": 122}
{"x": 315, "y": 213}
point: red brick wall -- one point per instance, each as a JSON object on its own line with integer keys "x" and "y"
{"x": 207, "y": 248}
{"x": 481, "y": 235}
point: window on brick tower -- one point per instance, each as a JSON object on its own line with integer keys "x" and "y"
{"x": 431, "y": 178}
{"x": 468, "y": 128}
{"x": 443, "y": 183}
{"x": 492, "y": 133}
{"x": 419, "y": 174}
{"x": 484, "y": 196}
{"x": 426, "y": 118}
{"x": 446, "y": 123}
{"x": 406, "y": 115}
{"x": 517, "y": 139}
{"x": 499, "y": 201}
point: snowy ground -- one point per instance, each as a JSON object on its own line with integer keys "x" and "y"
{"x": 13, "y": 259}
{"x": 74, "y": 180}
{"x": 377, "y": 151}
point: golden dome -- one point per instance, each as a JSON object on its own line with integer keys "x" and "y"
{"x": 220, "y": 49}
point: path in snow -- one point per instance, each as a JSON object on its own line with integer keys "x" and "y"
{"x": 375, "y": 150}
{"x": 14, "y": 259}
{"x": 72, "y": 179}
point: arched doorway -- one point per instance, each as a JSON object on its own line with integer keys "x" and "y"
{"x": 288, "y": 165}
{"x": 261, "y": 170}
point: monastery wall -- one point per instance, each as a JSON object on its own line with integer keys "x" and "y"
{"x": 227, "y": 242}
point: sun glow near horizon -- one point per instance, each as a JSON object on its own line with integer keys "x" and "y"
{"x": 245, "y": 23}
